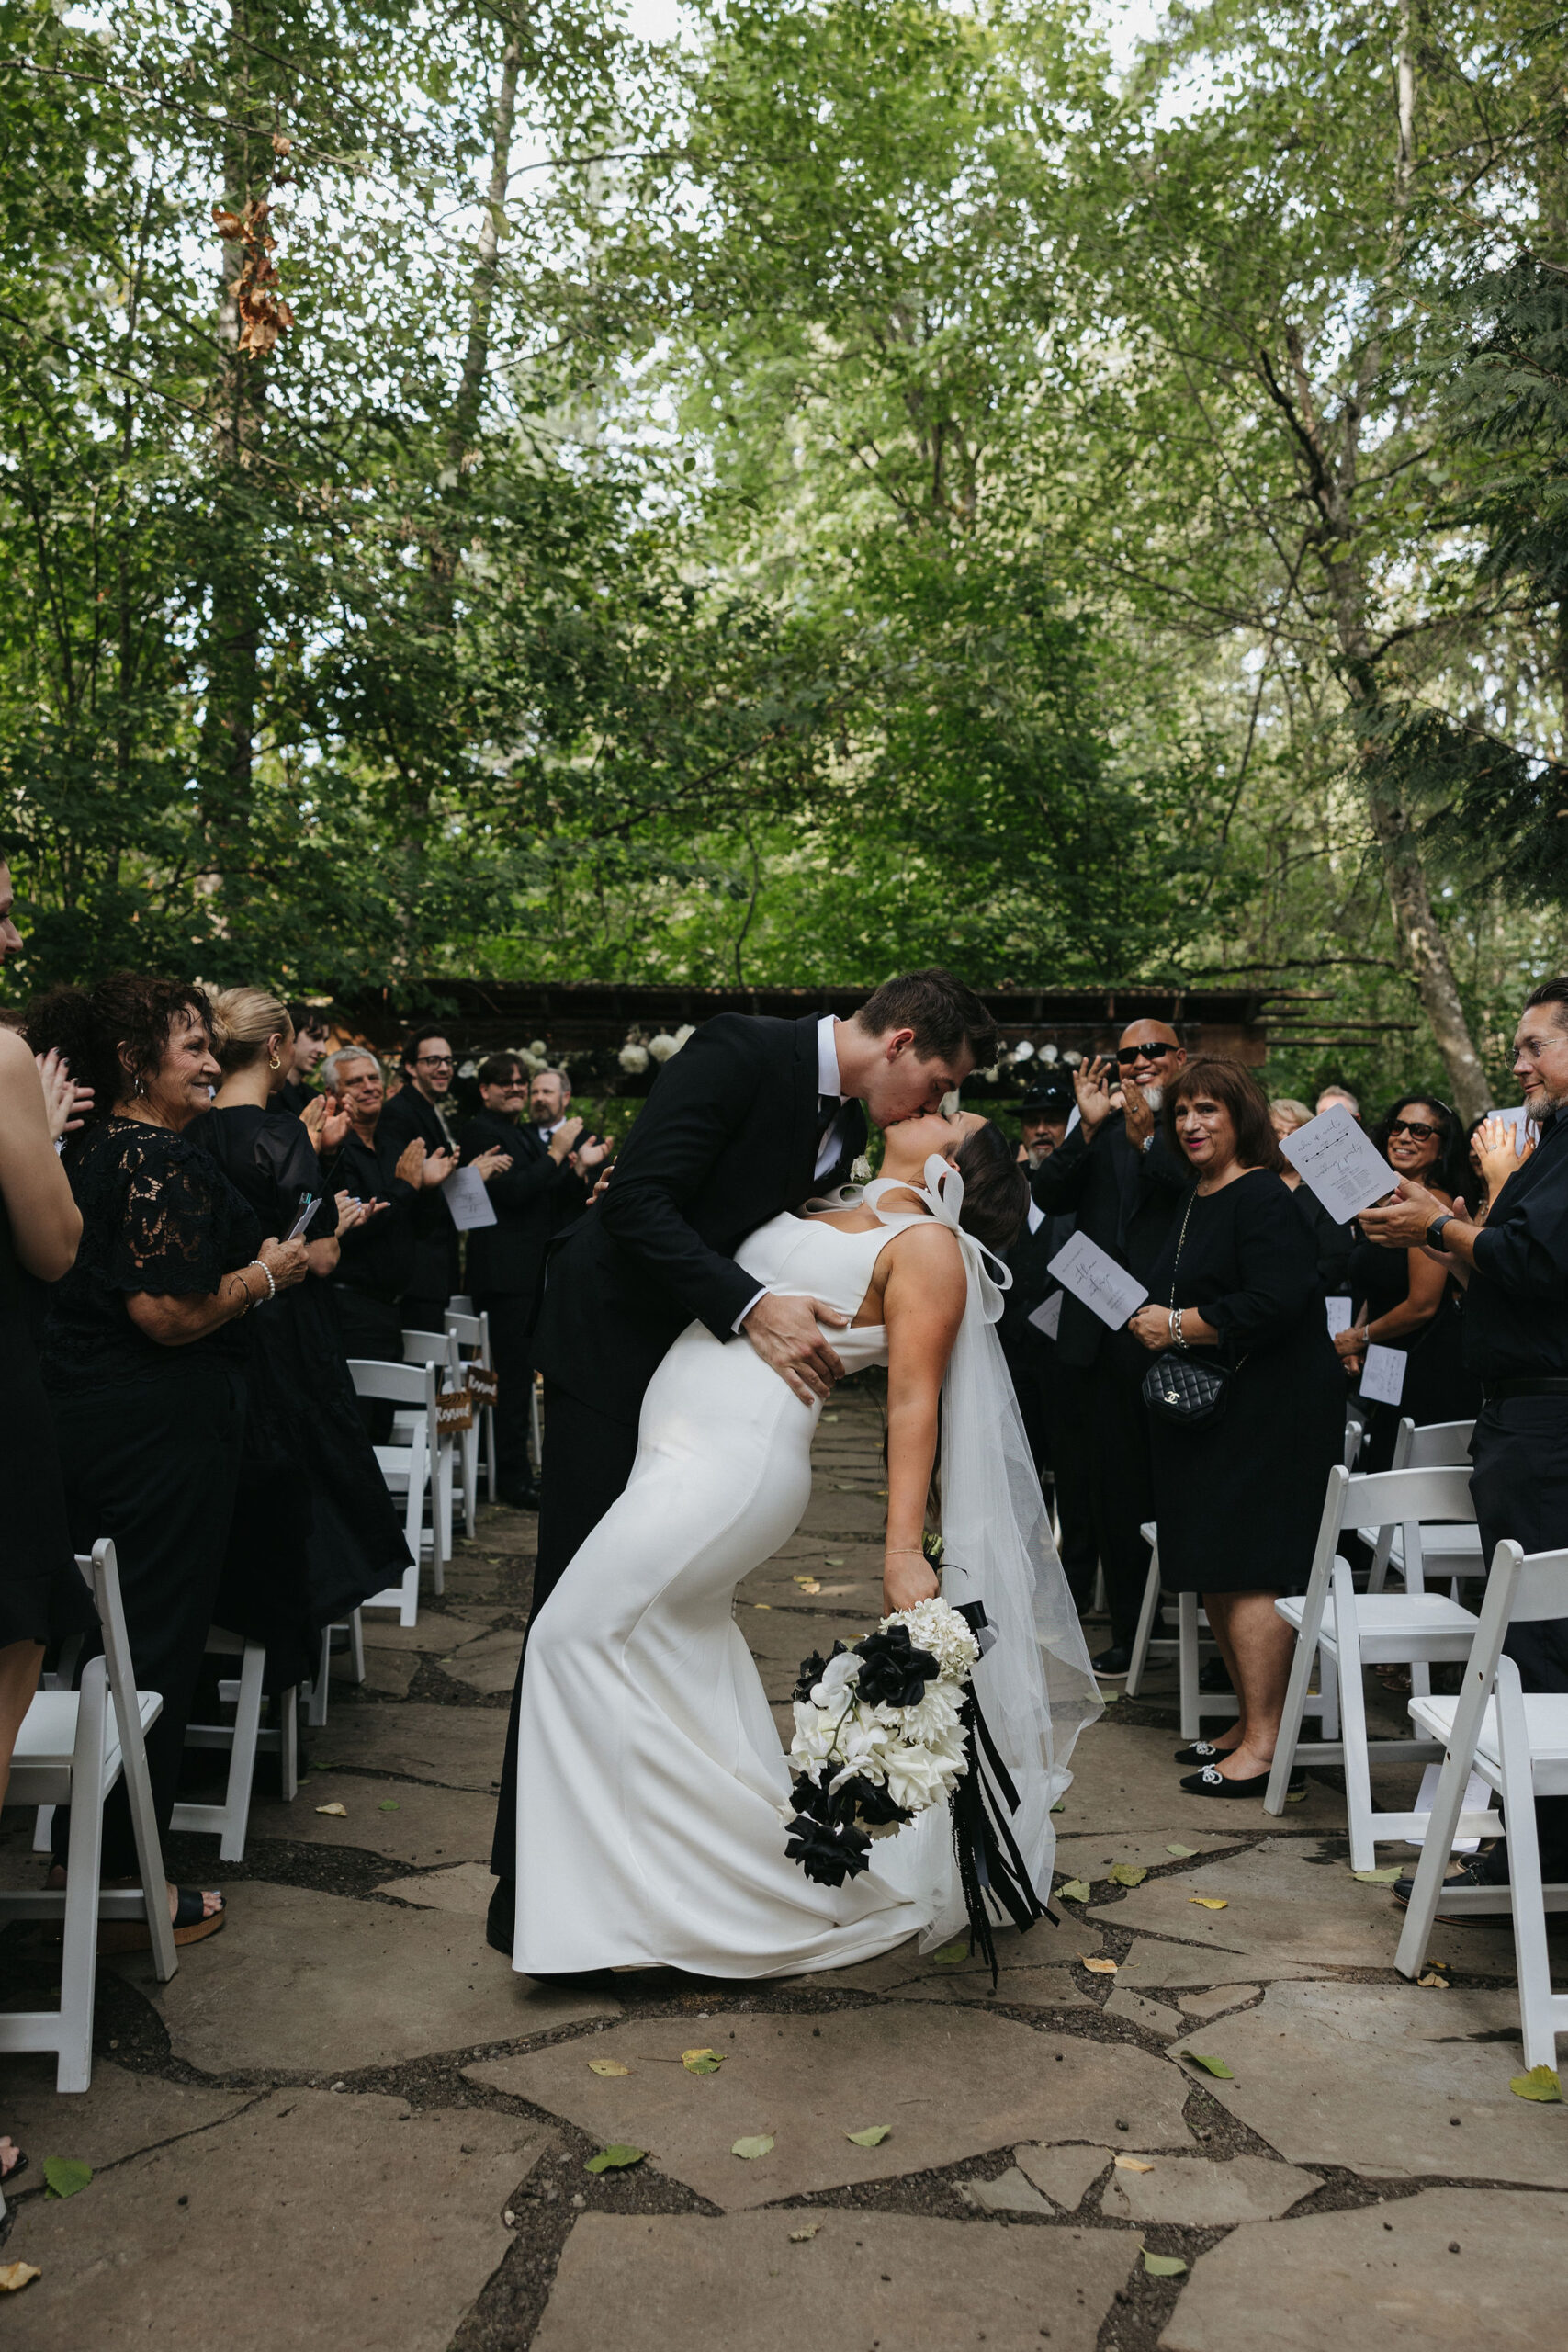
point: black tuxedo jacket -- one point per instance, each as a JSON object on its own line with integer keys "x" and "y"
{"x": 1122, "y": 1199}
{"x": 727, "y": 1139}
{"x": 1028, "y": 1259}
{"x": 435, "y": 1269}
{"x": 534, "y": 1200}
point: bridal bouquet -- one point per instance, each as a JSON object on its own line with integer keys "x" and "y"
{"x": 880, "y": 1734}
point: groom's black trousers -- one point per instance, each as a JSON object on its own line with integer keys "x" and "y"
{"x": 588, "y": 1460}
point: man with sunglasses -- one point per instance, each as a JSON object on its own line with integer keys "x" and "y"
{"x": 1115, "y": 1175}
{"x": 1515, "y": 1268}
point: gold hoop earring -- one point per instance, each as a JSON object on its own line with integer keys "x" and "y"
{"x": 275, "y": 1063}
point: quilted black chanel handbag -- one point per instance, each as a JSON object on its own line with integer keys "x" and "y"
{"x": 1190, "y": 1395}
{"x": 1187, "y": 1392}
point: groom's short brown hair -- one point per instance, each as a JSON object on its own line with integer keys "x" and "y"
{"x": 941, "y": 1011}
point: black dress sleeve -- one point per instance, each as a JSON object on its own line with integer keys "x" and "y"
{"x": 285, "y": 1149}
{"x": 1275, "y": 1267}
{"x": 174, "y": 1230}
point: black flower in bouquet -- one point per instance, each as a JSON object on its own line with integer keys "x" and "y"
{"x": 893, "y": 1671}
{"x": 823, "y": 1838}
{"x": 869, "y": 1804}
{"x": 812, "y": 1669}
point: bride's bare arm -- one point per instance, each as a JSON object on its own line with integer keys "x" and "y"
{"x": 922, "y": 1308}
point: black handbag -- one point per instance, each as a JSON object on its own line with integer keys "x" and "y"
{"x": 1193, "y": 1395}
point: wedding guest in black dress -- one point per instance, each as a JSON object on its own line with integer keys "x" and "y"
{"x": 1241, "y": 1496}
{"x": 142, "y": 1358}
{"x": 1402, "y": 1298}
{"x": 314, "y": 1531}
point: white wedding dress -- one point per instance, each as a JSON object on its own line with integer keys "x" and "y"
{"x": 653, "y": 1788}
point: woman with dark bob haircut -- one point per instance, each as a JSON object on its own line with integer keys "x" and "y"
{"x": 1402, "y": 1299}
{"x": 143, "y": 1358}
{"x": 1240, "y": 1496}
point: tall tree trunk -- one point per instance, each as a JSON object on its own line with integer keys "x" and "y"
{"x": 234, "y": 626}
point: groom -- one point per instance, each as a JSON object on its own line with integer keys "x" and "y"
{"x": 753, "y": 1116}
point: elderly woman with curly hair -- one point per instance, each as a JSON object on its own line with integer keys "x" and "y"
{"x": 143, "y": 1357}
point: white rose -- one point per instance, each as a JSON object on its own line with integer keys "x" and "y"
{"x": 915, "y": 1778}
{"x": 632, "y": 1058}
{"x": 663, "y": 1046}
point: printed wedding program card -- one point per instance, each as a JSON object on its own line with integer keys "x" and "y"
{"x": 464, "y": 1194}
{"x": 1340, "y": 1163}
{"x": 1106, "y": 1289}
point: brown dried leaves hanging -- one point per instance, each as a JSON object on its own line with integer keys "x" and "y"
{"x": 263, "y": 315}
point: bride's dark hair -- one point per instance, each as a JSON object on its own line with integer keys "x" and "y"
{"x": 996, "y": 1190}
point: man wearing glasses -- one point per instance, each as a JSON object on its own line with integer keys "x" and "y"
{"x": 423, "y": 1112}
{"x": 543, "y": 1185}
{"x": 1115, "y": 1175}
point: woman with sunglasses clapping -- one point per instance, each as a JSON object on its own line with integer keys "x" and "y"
{"x": 1403, "y": 1298}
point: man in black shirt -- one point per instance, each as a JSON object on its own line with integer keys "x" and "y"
{"x": 1515, "y": 1268}
{"x": 1046, "y": 1390}
{"x": 1122, "y": 1185}
{"x": 544, "y": 1187}
{"x": 374, "y": 1260}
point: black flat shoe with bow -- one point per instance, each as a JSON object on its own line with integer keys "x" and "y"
{"x": 1211, "y": 1782}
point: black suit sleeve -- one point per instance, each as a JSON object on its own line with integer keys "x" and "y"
{"x": 699, "y": 1103}
{"x": 1057, "y": 1183}
{"x": 530, "y": 1177}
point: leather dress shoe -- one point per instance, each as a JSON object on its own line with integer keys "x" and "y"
{"x": 1113, "y": 1665}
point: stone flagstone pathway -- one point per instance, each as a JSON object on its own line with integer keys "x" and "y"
{"x": 346, "y": 2121}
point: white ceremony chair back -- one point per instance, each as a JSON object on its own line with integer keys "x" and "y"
{"x": 1451, "y": 1552}
{"x": 1348, "y": 1631}
{"x": 408, "y": 1465}
{"x": 245, "y": 1739}
{"x": 471, "y": 1333}
{"x": 441, "y": 1350}
{"x": 1194, "y": 1642}
{"x": 74, "y": 1745}
{"x": 1517, "y": 1742}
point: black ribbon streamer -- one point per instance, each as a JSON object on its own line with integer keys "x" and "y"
{"x": 989, "y": 1862}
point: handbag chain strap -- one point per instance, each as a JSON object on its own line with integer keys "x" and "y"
{"x": 1180, "y": 1240}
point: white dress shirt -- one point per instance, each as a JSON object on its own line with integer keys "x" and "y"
{"x": 828, "y": 1082}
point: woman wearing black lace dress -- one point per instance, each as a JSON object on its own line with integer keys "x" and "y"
{"x": 314, "y": 1531}
{"x": 142, "y": 1356}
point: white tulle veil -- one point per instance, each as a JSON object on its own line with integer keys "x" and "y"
{"x": 1035, "y": 1685}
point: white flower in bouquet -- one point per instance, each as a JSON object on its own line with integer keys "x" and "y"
{"x": 916, "y": 1778}
{"x": 838, "y": 1674}
{"x": 936, "y": 1627}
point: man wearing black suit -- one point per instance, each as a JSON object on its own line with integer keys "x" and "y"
{"x": 541, "y": 1192}
{"x": 1121, "y": 1183}
{"x": 423, "y": 1111}
{"x": 751, "y": 1118}
{"x": 1048, "y": 1392}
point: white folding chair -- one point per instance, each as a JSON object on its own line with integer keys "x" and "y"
{"x": 471, "y": 1333}
{"x": 73, "y": 1747}
{"x": 1192, "y": 1639}
{"x": 243, "y": 1739}
{"x": 439, "y": 1348}
{"x": 1450, "y": 1551}
{"x": 408, "y": 1465}
{"x": 352, "y": 1630}
{"x": 1351, "y": 1630}
{"x": 1355, "y": 1434}
{"x": 1517, "y": 1742}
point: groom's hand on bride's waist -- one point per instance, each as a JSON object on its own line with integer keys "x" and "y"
{"x": 784, "y": 1332}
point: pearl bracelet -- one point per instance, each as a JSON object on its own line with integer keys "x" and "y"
{"x": 266, "y": 1275}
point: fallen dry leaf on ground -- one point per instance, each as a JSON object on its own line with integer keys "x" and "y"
{"x": 1132, "y": 2164}
{"x": 17, "y": 2274}
{"x": 872, "y": 2137}
{"x": 1101, "y": 1967}
{"x": 701, "y": 2062}
{"x": 751, "y": 2149}
{"x": 1210, "y": 1901}
{"x": 607, "y": 2066}
{"x": 614, "y": 2158}
{"x": 338, "y": 1812}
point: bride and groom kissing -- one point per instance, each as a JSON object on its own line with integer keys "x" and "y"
{"x": 693, "y": 1322}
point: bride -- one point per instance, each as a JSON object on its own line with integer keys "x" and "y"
{"x": 653, "y": 1791}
